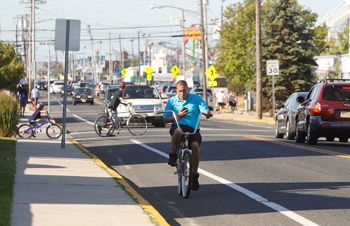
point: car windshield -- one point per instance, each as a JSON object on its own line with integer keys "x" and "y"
{"x": 336, "y": 93}
{"x": 83, "y": 90}
{"x": 41, "y": 83}
{"x": 110, "y": 93}
{"x": 59, "y": 83}
{"x": 140, "y": 93}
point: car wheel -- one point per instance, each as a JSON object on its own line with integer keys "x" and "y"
{"x": 61, "y": 95}
{"x": 311, "y": 136}
{"x": 277, "y": 131}
{"x": 299, "y": 137}
{"x": 74, "y": 103}
{"x": 343, "y": 139}
{"x": 92, "y": 103}
{"x": 289, "y": 135}
{"x": 330, "y": 138}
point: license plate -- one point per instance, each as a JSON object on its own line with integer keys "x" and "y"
{"x": 68, "y": 93}
{"x": 143, "y": 115}
{"x": 345, "y": 114}
{"x": 83, "y": 100}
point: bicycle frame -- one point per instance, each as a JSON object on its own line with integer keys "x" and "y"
{"x": 35, "y": 127}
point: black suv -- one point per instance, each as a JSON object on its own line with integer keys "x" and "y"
{"x": 325, "y": 112}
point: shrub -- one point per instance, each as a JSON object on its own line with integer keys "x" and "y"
{"x": 9, "y": 119}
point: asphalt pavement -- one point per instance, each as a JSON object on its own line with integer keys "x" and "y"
{"x": 55, "y": 186}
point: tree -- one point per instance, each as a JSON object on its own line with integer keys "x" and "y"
{"x": 343, "y": 43}
{"x": 11, "y": 68}
{"x": 319, "y": 42}
{"x": 236, "y": 39}
{"x": 286, "y": 37}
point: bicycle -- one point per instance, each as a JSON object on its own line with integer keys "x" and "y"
{"x": 105, "y": 125}
{"x": 184, "y": 161}
{"x": 53, "y": 130}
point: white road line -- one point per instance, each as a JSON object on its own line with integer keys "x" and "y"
{"x": 83, "y": 120}
{"x": 250, "y": 194}
{"x": 62, "y": 105}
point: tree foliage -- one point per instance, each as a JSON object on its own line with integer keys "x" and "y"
{"x": 11, "y": 68}
{"x": 286, "y": 38}
{"x": 343, "y": 43}
{"x": 236, "y": 39}
{"x": 319, "y": 43}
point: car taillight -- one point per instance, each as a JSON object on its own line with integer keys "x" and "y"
{"x": 316, "y": 108}
{"x": 165, "y": 102}
{"x": 211, "y": 100}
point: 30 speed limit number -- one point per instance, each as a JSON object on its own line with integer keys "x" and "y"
{"x": 272, "y": 67}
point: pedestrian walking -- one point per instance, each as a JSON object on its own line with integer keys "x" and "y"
{"x": 23, "y": 98}
{"x": 35, "y": 96}
{"x": 232, "y": 101}
{"x": 220, "y": 99}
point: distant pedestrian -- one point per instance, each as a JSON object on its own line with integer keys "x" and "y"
{"x": 220, "y": 99}
{"x": 23, "y": 97}
{"x": 232, "y": 101}
{"x": 35, "y": 95}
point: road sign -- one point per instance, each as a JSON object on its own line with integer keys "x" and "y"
{"x": 163, "y": 77}
{"x": 61, "y": 34}
{"x": 124, "y": 72}
{"x": 212, "y": 73}
{"x": 272, "y": 67}
{"x": 212, "y": 83}
{"x": 149, "y": 77}
{"x": 46, "y": 43}
{"x": 175, "y": 70}
{"x": 124, "y": 76}
{"x": 148, "y": 70}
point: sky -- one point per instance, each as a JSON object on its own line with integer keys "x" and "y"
{"x": 119, "y": 17}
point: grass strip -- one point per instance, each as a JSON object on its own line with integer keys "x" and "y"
{"x": 7, "y": 178}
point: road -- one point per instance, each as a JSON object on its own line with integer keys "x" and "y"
{"x": 247, "y": 177}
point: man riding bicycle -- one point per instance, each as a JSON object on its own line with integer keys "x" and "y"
{"x": 112, "y": 108}
{"x": 187, "y": 107}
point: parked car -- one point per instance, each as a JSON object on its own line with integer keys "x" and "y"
{"x": 165, "y": 97}
{"x": 170, "y": 88}
{"x": 56, "y": 86}
{"x": 83, "y": 95}
{"x": 325, "y": 112}
{"x": 70, "y": 90}
{"x": 200, "y": 89}
{"x": 285, "y": 117}
{"x": 164, "y": 87}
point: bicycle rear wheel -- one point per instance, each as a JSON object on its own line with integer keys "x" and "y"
{"x": 54, "y": 131}
{"x": 137, "y": 125}
{"x": 104, "y": 126}
{"x": 187, "y": 174}
{"x": 24, "y": 131}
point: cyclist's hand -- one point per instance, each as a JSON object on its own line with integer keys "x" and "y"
{"x": 183, "y": 112}
{"x": 208, "y": 114}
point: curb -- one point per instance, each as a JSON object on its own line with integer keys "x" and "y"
{"x": 146, "y": 206}
{"x": 265, "y": 121}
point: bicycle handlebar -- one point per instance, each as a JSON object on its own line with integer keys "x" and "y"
{"x": 177, "y": 122}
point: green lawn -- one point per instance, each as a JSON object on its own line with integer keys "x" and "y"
{"x": 7, "y": 177}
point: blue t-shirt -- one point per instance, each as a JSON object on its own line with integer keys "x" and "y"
{"x": 195, "y": 105}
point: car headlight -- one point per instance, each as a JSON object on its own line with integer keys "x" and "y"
{"x": 157, "y": 107}
{"x": 89, "y": 96}
{"x": 77, "y": 97}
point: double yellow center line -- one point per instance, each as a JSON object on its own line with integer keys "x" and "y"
{"x": 301, "y": 147}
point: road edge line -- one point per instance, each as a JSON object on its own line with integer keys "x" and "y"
{"x": 154, "y": 215}
{"x": 264, "y": 121}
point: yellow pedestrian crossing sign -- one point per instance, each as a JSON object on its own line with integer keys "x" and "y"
{"x": 148, "y": 70}
{"x": 175, "y": 70}
{"x": 212, "y": 73}
{"x": 124, "y": 72}
{"x": 149, "y": 77}
{"x": 123, "y": 76}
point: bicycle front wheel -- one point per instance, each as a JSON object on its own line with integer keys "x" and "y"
{"x": 137, "y": 125}
{"x": 104, "y": 126}
{"x": 54, "y": 131}
{"x": 187, "y": 174}
{"x": 24, "y": 131}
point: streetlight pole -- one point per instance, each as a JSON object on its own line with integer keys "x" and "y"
{"x": 183, "y": 30}
{"x": 258, "y": 62}
{"x": 203, "y": 56}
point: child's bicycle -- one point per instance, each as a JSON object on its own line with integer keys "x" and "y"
{"x": 53, "y": 130}
{"x": 105, "y": 125}
{"x": 184, "y": 161}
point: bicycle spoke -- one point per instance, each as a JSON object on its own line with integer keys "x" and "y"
{"x": 187, "y": 175}
{"x": 24, "y": 131}
{"x": 137, "y": 125}
{"x": 103, "y": 126}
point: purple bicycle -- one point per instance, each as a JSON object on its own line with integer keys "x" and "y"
{"x": 53, "y": 130}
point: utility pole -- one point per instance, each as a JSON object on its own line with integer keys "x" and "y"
{"x": 110, "y": 60}
{"x": 183, "y": 45}
{"x": 121, "y": 54}
{"x": 258, "y": 62}
{"x": 139, "y": 58}
{"x": 93, "y": 54}
{"x": 222, "y": 12}
{"x": 206, "y": 36}
{"x": 203, "y": 54}
{"x": 132, "y": 51}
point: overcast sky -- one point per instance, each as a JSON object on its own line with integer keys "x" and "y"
{"x": 120, "y": 17}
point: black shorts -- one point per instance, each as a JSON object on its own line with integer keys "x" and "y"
{"x": 192, "y": 138}
{"x": 221, "y": 103}
{"x": 231, "y": 103}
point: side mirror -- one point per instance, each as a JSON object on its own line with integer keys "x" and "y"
{"x": 279, "y": 105}
{"x": 300, "y": 99}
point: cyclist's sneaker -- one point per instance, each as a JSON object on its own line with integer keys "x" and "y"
{"x": 195, "y": 184}
{"x": 99, "y": 128}
{"x": 172, "y": 159}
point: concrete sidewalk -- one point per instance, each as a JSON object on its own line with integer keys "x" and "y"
{"x": 55, "y": 186}
{"x": 247, "y": 116}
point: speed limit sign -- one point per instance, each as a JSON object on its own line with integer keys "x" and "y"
{"x": 272, "y": 67}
